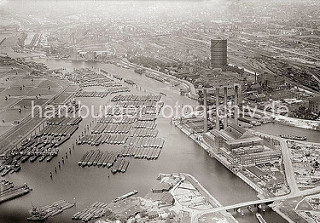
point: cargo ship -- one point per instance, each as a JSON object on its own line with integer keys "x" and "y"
{"x": 125, "y": 196}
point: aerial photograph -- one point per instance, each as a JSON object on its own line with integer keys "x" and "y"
{"x": 160, "y": 111}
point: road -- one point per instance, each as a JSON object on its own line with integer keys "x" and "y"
{"x": 290, "y": 176}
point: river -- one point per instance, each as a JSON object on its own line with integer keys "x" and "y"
{"x": 87, "y": 185}
{"x": 277, "y": 129}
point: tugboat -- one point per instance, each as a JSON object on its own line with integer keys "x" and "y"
{"x": 38, "y": 215}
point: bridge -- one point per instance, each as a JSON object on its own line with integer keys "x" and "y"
{"x": 307, "y": 192}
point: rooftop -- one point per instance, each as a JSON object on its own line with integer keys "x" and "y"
{"x": 245, "y": 140}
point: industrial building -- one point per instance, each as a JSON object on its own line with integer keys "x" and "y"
{"x": 239, "y": 147}
{"x": 235, "y": 143}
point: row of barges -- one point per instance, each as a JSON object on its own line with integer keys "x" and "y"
{"x": 41, "y": 214}
{"x": 292, "y": 137}
{"x": 141, "y": 153}
{"x": 104, "y": 159}
{"x": 111, "y": 128}
{"x": 140, "y": 128}
{"x": 98, "y": 139}
{"x": 8, "y": 191}
{"x": 145, "y": 142}
{"x": 124, "y": 120}
{"x": 96, "y": 210}
{"x": 97, "y": 94}
{"x": 136, "y": 98}
{"x": 98, "y": 158}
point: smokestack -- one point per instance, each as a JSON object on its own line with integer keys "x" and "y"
{"x": 217, "y": 110}
{"x": 205, "y": 110}
{"x": 225, "y": 124}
